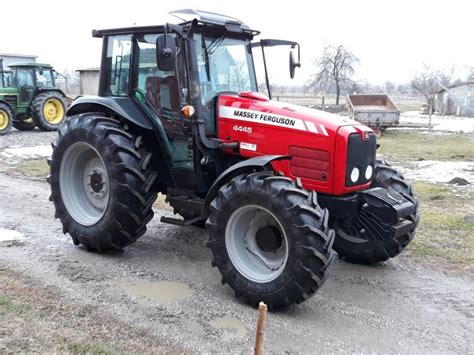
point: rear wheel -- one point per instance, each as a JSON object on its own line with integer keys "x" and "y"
{"x": 102, "y": 182}
{"x": 354, "y": 247}
{"x": 270, "y": 239}
{"x": 24, "y": 124}
{"x": 48, "y": 110}
{"x": 6, "y": 118}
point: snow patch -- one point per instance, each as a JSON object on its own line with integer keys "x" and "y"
{"x": 439, "y": 123}
{"x": 8, "y": 235}
{"x": 440, "y": 171}
{"x": 41, "y": 151}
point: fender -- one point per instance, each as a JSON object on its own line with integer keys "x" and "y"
{"x": 122, "y": 106}
{"x": 257, "y": 163}
{"x": 9, "y": 106}
{"x": 41, "y": 90}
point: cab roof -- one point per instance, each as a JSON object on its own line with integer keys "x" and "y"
{"x": 31, "y": 65}
{"x": 190, "y": 17}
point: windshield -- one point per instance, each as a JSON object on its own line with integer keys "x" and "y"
{"x": 225, "y": 64}
{"x": 23, "y": 77}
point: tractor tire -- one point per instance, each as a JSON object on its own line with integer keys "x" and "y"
{"x": 102, "y": 182}
{"x": 25, "y": 124}
{"x": 359, "y": 250}
{"x": 6, "y": 119}
{"x": 48, "y": 110}
{"x": 270, "y": 239}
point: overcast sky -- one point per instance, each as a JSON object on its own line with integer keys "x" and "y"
{"x": 391, "y": 38}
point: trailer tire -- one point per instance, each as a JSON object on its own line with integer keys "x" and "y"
{"x": 362, "y": 251}
{"x": 97, "y": 155}
{"x": 258, "y": 211}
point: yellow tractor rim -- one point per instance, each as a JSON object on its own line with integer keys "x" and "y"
{"x": 53, "y": 111}
{"x": 4, "y": 119}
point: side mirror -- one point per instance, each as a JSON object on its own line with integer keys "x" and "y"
{"x": 293, "y": 64}
{"x": 166, "y": 52}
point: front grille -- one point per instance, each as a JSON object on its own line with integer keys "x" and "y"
{"x": 11, "y": 99}
{"x": 360, "y": 154}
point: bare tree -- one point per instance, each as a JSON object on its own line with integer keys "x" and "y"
{"x": 427, "y": 81}
{"x": 335, "y": 68}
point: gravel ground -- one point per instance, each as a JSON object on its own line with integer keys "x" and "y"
{"x": 75, "y": 297}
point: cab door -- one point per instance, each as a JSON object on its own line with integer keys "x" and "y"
{"x": 24, "y": 79}
{"x": 160, "y": 94}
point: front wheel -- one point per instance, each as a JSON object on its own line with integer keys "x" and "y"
{"x": 270, "y": 239}
{"x": 24, "y": 124}
{"x": 6, "y": 118}
{"x": 352, "y": 243}
{"x": 102, "y": 182}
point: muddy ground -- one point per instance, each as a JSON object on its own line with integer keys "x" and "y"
{"x": 162, "y": 294}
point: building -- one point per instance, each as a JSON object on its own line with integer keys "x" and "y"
{"x": 89, "y": 81}
{"x": 458, "y": 99}
{"x": 9, "y": 59}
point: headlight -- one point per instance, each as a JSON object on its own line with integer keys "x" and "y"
{"x": 355, "y": 175}
{"x": 368, "y": 172}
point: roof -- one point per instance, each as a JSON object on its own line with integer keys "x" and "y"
{"x": 190, "y": 17}
{"x": 466, "y": 83}
{"x": 18, "y": 55}
{"x": 88, "y": 69}
{"x": 34, "y": 65}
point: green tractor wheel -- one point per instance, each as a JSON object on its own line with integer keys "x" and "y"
{"x": 24, "y": 124}
{"x": 6, "y": 118}
{"x": 49, "y": 110}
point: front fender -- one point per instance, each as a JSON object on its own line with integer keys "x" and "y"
{"x": 122, "y": 106}
{"x": 257, "y": 163}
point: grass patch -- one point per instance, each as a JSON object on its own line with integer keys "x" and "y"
{"x": 93, "y": 348}
{"x": 413, "y": 145}
{"x": 444, "y": 234}
{"x": 430, "y": 191}
{"x": 36, "y": 168}
{"x": 9, "y": 306}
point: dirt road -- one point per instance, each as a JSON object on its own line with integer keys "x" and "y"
{"x": 161, "y": 293}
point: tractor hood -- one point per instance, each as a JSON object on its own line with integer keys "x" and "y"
{"x": 258, "y": 109}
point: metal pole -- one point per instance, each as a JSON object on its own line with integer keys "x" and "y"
{"x": 266, "y": 72}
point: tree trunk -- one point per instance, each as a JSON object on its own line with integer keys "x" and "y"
{"x": 338, "y": 92}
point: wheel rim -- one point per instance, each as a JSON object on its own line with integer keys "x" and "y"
{"x": 256, "y": 243}
{"x": 84, "y": 183}
{"x": 53, "y": 111}
{"x": 4, "y": 119}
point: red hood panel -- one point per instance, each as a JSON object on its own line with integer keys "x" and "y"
{"x": 281, "y": 114}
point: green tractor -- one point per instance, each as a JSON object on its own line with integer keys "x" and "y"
{"x": 29, "y": 98}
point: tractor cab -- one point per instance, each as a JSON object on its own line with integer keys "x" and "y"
{"x": 30, "y": 77}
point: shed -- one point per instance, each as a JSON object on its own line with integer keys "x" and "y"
{"x": 457, "y": 99}
{"x": 89, "y": 81}
{"x": 9, "y": 59}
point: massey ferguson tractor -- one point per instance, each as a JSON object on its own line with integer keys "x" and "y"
{"x": 281, "y": 188}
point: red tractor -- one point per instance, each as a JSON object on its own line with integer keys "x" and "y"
{"x": 278, "y": 186}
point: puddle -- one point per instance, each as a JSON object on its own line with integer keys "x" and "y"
{"x": 7, "y": 235}
{"x": 159, "y": 291}
{"x": 439, "y": 171}
{"x": 235, "y": 325}
{"x": 41, "y": 151}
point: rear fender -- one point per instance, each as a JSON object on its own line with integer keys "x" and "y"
{"x": 253, "y": 164}
{"x": 122, "y": 106}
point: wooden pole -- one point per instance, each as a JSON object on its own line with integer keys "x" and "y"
{"x": 262, "y": 317}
